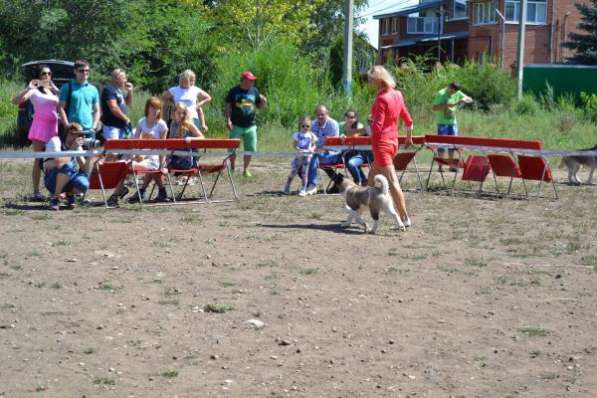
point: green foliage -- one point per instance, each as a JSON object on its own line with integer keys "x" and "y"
{"x": 8, "y": 112}
{"x": 483, "y": 81}
{"x": 589, "y": 102}
{"x": 527, "y": 105}
{"x": 153, "y": 40}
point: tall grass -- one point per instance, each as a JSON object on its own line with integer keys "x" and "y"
{"x": 8, "y": 112}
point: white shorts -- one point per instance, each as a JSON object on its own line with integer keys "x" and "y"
{"x": 148, "y": 163}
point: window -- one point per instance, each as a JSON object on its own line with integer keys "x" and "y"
{"x": 394, "y": 25}
{"x": 386, "y": 26}
{"x": 422, "y": 25}
{"x": 484, "y": 13}
{"x": 536, "y": 11}
{"x": 460, "y": 9}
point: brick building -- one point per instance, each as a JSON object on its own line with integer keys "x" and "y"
{"x": 469, "y": 29}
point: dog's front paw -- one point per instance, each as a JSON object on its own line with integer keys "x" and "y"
{"x": 401, "y": 227}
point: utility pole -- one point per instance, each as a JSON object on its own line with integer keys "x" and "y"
{"x": 348, "y": 23}
{"x": 439, "y": 32}
{"x": 503, "y": 38}
{"x": 521, "y": 33}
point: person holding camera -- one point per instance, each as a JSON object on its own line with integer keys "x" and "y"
{"x": 43, "y": 95}
{"x": 62, "y": 173}
{"x": 116, "y": 97}
{"x": 79, "y": 101}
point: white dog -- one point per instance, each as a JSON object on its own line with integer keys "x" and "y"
{"x": 376, "y": 198}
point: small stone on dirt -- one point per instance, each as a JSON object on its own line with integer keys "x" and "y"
{"x": 255, "y": 324}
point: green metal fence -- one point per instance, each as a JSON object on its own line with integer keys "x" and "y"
{"x": 564, "y": 79}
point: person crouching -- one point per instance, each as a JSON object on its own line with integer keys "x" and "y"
{"x": 66, "y": 174}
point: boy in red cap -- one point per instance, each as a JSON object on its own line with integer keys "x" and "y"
{"x": 242, "y": 103}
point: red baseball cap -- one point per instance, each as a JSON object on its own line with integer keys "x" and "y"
{"x": 248, "y": 75}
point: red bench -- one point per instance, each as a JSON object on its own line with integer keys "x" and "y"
{"x": 200, "y": 170}
{"x": 401, "y": 161}
{"x": 505, "y": 157}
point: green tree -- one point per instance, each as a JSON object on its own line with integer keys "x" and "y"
{"x": 585, "y": 44}
{"x": 65, "y": 29}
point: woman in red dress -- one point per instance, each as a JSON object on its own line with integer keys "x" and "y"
{"x": 387, "y": 109}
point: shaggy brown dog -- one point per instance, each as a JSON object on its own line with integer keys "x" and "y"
{"x": 376, "y": 198}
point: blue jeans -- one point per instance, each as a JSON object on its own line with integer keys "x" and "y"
{"x": 323, "y": 158}
{"x": 446, "y": 129}
{"x": 354, "y": 160}
{"x": 79, "y": 180}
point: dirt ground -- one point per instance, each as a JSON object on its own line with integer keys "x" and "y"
{"x": 480, "y": 298}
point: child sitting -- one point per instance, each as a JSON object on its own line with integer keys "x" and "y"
{"x": 151, "y": 127}
{"x": 305, "y": 143}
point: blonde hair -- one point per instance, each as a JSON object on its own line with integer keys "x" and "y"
{"x": 186, "y": 79}
{"x": 186, "y": 120}
{"x": 302, "y": 120}
{"x": 381, "y": 74}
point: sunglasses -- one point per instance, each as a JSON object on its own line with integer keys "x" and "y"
{"x": 83, "y": 70}
{"x": 305, "y": 125}
{"x": 45, "y": 73}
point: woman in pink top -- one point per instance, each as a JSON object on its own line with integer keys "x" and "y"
{"x": 43, "y": 96}
{"x": 387, "y": 109}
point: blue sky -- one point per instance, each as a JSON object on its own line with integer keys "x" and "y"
{"x": 380, "y": 7}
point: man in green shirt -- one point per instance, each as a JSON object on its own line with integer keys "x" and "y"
{"x": 445, "y": 105}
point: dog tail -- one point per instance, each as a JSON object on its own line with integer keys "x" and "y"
{"x": 382, "y": 182}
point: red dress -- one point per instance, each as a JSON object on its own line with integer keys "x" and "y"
{"x": 387, "y": 108}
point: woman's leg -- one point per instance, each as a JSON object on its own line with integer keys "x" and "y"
{"x": 397, "y": 195}
{"x": 37, "y": 146}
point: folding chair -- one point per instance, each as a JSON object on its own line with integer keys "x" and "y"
{"x": 456, "y": 163}
{"x": 107, "y": 175}
{"x": 504, "y": 165}
{"x": 217, "y": 169}
{"x": 137, "y": 170}
{"x": 476, "y": 169}
{"x": 536, "y": 168}
{"x": 401, "y": 162}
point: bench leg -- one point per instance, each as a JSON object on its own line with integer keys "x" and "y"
{"x": 200, "y": 175}
{"x": 171, "y": 188}
{"x": 234, "y": 191}
{"x": 429, "y": 175}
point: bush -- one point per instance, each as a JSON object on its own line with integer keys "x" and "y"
{"x": 589, "y": 102}
{"x": 287, "y": 78}
{"x": 527, "y": 105}
{"x": 483, "y": 81}
{"x": 8, "y": 114}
